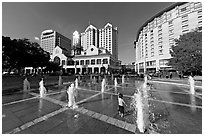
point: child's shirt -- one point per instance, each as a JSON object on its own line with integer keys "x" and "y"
{"x": 120, "y": 102}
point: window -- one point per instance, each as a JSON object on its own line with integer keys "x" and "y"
{"x": 63, "y": 62}
{"x": 98, "y": 61}
{"x": 152, "y": 54}
{"x": 93, "y": 62}
{"x": 163, "y": 62}
{"x": 161, "y": 52}
{"x": 105, "y": 61}
{"x": 77, "y": 62}
{"x": 141, "y": 65}
{"x": 81, "y": 62}
{"x": 87, "y": 62}
{"x": 183, "y": 9}
{"x": 185, "y": 17}
{"x": 184, "y": 21}
{"x": 185, "y": 27}
{"x": 197, "y": 5}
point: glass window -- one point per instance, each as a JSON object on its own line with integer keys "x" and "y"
{"x": 183, "y": 9}
{"x": 87, "y": 62}
{"x": 81, "y": 62}
{"x": 63, "y": 62}
{"x": 105, "y": 61}
{"x": 93, "y": 62}
{"x": 77, "y": 62}
{"x": 98, "y": 61}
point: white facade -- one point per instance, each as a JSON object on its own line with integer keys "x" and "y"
{"x": 156, "y": 36}
{"x": 89, "y": 37}
{"x": 108, "y": 39}
{"x": 93, "y": 60}
{"x": 76, "y": 38}
{"x": 48, "y": 40}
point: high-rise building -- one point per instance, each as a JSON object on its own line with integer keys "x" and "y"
{"x": 108, "y": 39}
{"x": 156, "y": 36}
{"x": 50, "y": 39}
{"x": 89, "y": 37}
{"x": 76, "y": 38}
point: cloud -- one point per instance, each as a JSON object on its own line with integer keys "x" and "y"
{"x": 36, "y": 38}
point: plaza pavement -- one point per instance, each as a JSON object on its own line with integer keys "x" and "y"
{"x": 172, "y": 108}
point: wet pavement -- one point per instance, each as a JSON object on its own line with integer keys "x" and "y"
{"x": 172, "y": 110}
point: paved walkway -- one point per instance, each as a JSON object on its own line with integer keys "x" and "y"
{"x": 97, "y": 112}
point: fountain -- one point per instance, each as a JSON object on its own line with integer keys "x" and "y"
{"x": 123, "y": 79}
{"x": 42, "y": 89}
{"x": 112, "y": 77}
{"x": 141, "y": 107}
{"x": 60, "y": 81}
{"x": 26, "y": 85}
{"x": 103, "y": 84}
{"x": 76, "y": 83}
{"x": 99, "y": 78}
{"x": 71, "y": 95}
{"x": 115, "y": 82}
{"x": 191, "y": 83}
{"x": 140, "y": 111}
{"x": 193, "y": 103}
{"x": 91, "y": 77}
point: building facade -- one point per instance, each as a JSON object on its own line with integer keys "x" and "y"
{"x": 76, "y": 38}
{"x": 106, "y": 37}
{"x": 93, "y": 61}
{"x": 156, "y": 36}
{"x": 89, "y": 37}
{"x": 50, "y": 39}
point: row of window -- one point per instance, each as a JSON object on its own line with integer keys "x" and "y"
{"x": 92, "y": 62}
{"x": 48, "y": 37}
{"x": 153, "y": 63}
{"x": 163, "y": 18}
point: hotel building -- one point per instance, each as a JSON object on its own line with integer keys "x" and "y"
{"x": 156, "y": 36}
{"x": 108, "y": 39}
{"x": 89, "y": 37}
{"x": 50, "y": 39}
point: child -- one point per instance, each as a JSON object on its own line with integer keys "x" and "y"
{"x": 121, "y": 104}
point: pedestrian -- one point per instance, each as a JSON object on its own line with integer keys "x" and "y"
{"x": 121, "y": 104}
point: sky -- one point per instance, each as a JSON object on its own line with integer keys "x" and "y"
{"x": 29, "y": 19}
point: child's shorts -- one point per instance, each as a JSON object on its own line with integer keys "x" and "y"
{"x": 121, "y": 109}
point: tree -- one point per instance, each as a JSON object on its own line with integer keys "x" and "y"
{"x": 187, "y": 53}
{"x": 17, "y": 54}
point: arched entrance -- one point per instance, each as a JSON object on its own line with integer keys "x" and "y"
{"x": 57, "y": 60}
{"x": 96, "y": 70}
{"x": 89, "y": 70}
{"x": 103, "y": 70}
